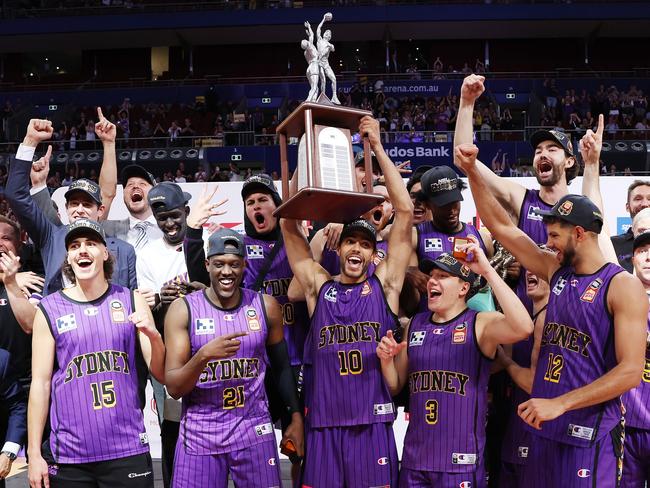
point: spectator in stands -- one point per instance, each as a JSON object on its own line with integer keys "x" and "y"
{"x": 187, "y": 131}
{"x": 123, "y": 125}
{"x": 612, "y": 124}
{"x": 71, "y": 174}
{"x": 174, "y": 133}
{"x": 72, "y": 140}
{"x": 234, "y": 174}
{"x": 180, "y": 177}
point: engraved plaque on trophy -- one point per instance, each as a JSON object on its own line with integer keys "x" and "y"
{"x": 325, "y": 184}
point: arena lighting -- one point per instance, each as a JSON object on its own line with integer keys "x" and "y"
{"x": 607, "y": 146}
{"x": 124, "y": 155}
{"x": 92, "y": 157}
{"x": 621, "y": 146}
{"x": 638, "y": 146}
{"x": 176, "y": 154}
{"x": 78, "y": 157}
{"x": 192, "y": 154}
{"x": 62, "y": 157}
{"x": 160, "y": 154}
{"x": 144, "y": 155}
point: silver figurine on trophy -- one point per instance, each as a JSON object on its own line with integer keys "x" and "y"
{"x": 317, "y": 57}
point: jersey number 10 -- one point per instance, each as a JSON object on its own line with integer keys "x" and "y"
{"x": 350, "y": 362}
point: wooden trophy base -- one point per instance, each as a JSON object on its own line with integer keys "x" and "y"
{"x": 328, "y": 205}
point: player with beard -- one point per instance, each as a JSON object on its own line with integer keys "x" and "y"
{"x": 520, "y": 363}
{"x": 349, "y": 411}
{"x": 226, "y": 426}
{"x": 445, "y": 357}
{"x": 554, "y": 163}
{"x": 636, "y": 463}
{"x": 440, "y": 188}
{"x": 92, "y": 345}
{"x": 592, "y": 347}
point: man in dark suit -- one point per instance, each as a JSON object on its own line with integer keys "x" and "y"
{"x": 83, "y": 200}
{"x": 14, "y": 404}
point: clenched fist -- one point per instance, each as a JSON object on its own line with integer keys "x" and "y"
{"x": 38, "y": 131}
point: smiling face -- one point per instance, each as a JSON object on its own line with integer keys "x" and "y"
{"x": 86, "y": 256}
{"x": 259, "y": 210}
{"x": 135, "y": 195}
{"x": 641, "y": 262}
{"x": 356, "y": 251}
{"x": 536, "y": 289}
{"x": 562, "y": 241}
{"x": 80, "y": 205}
{"x": 380, "y": 215}
{"x": 173, "y": 223}
{"x": 444, "y": 290}
{"x": 638, "y": 200}
{"x": 550, "y": 161}
{"x": 420, "y": 209}
{"x": 9, "y": 239}
{"x": 360, "y": 174}
{"x": 226, "y": 274}
{"x": 446, "y": 217}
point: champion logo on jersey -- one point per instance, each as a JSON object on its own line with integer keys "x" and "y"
{"x": 91, "y": 311}
{"x": 382, "y": 461}
{"x": 254, "y": 251}
{"x": 522, "y": 451}
{"x": 330, "y": 294}
{"x": 581, "y": 432}
{"x": 144, "y": 438}
{"x": 271, "y": 461}
{"x": 438, "y": 331}
{"x": 584, "y": 473}
{"x": 204, "y": 326}
{"x": 533, "y": 214}
{"x": 463, "y": 458}
{"x": 574, "y": 283}
{"x": 465, "y": 484}
{"x": 590, "y": 293}
{"x": 66, "y": 323}
{"x": 3, "y": 302}
{"x": 559, "y": 286}
{"x": 264, "y": 429}
{"x": 229, "y": 317}
{"x": 460, "y": 334}
{"x": 417, "y": 337}
{"x": 432, "y": 244}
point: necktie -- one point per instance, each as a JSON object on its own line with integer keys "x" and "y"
{"x": 141, "y": 239}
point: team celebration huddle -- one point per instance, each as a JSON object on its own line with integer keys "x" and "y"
{"x": 322, "y": 330}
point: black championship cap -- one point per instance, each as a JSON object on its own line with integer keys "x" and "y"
{"x": 89, "y": 187}
{"x": 576, "y": 210}
{"x": 167, "y": 195}
{"x": 451, "y": 265}
{"x": 84, "y": 227}
{"x": 137, "y": 171}
{"x": 226, "y": 241}
{"x": 359, "y": 225}
{"x": 552, "y": 135}
{"x": 261, "y": 183}
{"x": 641, "y": 240}
{"x": 441, "y": 186}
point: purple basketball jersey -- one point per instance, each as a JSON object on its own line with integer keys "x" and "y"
{"x": 276, "y": 283}
{"x": 227, "y": 410}
{"x": 516, "y": 440}
{"x": 533, "y": 226}
{"x": 344, "y": 384}
{"x": 577, "y": 348}
{"x": 448, "y": 378}
{"x": 330, "y": 259}
{"x": 637, "y": 401}
{"x": 98, "y": 382}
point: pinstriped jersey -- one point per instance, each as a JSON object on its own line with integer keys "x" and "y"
{"x": 533, "y": 226}
{"x": 97, "y": 391}
{"x": 276, "y": 283}
{"x": 516, "y": 440}
{"x": 448, "y": 377}
{"x": 344, "y": 384}
{"x": 577, "y": 348}
{"x": 637, "y": 401}
{"x": 330, "y": 259}
{"x": 227, "y": 410}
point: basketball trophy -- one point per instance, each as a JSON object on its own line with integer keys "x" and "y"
{"x": 324, "y": 186}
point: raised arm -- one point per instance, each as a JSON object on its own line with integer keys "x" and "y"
{"x": 494, "y": 216}
{"x": 22, "y": 309}
{"x": 391, "y": 270}
{"x": 591, "y": 145}
{"x": 628, "y": 303}
{"x": 39, "y": 191}
{"x": 151, "y": 343}
{"x": 507, "y": 192}
{"x": 309, "y": 32}
{"x": 107, "y": 132}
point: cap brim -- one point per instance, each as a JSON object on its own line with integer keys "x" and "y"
{"x": 255, "y": 187}
{"x": 546, "y": 135}
{"x": 92, "y": 197}
{"x": 188, "y": 196}
{"x": 446, "y": 198}
{"x": 358, "y": 230}
{"x": 138, "y": 171}
{"x": 83, "y": 231}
